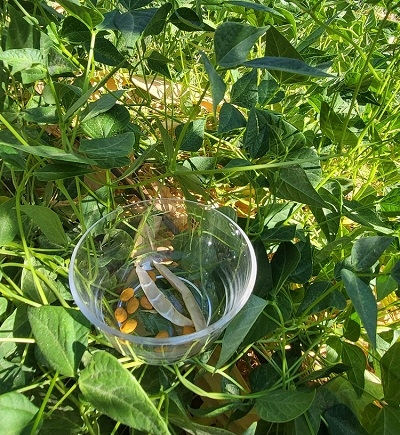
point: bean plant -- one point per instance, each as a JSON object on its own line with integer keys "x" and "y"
{"x": 283, "y": 113}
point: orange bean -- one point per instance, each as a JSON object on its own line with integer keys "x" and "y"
{"x": 120, "y": 314}
{"x": 132, "y": 305}
{"x": 128, "y": 326}
{"x": 162, "y": 334}
{"x": 126, "y": 294}
{"x": 152, "y": 275}
{"x": 188, "y": 330}
{"x": 145, "y": 303}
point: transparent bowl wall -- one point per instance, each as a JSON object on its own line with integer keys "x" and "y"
{"x": 215, "y": 258}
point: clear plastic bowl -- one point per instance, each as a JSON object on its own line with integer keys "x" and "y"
{"x": 201, "y": 246}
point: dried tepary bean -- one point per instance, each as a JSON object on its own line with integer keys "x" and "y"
{"x": 188, "y": 330}
{"x": 162, "y": 334}
{"x": 132, "y": 305}
{"x": 120, "y": 315}
{"x": 145, "y": 303}
{"x": 159, "y": 301}
{"x": 126, "y": 294}
{"x": 128, "y": 326}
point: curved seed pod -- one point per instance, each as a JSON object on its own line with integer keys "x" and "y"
{"x": 191, "y": 305}
{"x": 159, "y": 301}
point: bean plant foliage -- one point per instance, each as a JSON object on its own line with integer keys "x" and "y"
{"x": 282, "y": 113}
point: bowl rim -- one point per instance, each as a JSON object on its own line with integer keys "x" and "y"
{"x": 220, "y": 324}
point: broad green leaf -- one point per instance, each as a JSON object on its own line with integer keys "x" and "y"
{"x": 114, "y": 391}
{"x": 74, "y": 30}
{"x": 364, "y": 215}
{"x": 108, "y": 147}
{"x": 254, "y": 6}
{"x": 390, "y": 368}
{"x": 135, "y": 4}
{"x": 106, "y": 52}
{"x": 263, "y": 284}
{"x": 304, "y": 268}
{"x": 125, "y": 23}
{"x": 12, "y": 158}
{"x": 89, "y": 15}
{"x": 200, "y": 429}
{"x": 296, "y": 186}
{"x": 3, "y": 307}
{"x": 103, "y": 104}
{"x": 285, "y": 233}
{"x": 325, "y": 372}
{"x": 307, "y": 158}
{"x": 355, "y": 358}
{"x": 309, "y": 422}
{"x": 158, "y": 63}
{"x": 64, "y": 421}
{"x": 280, "y": 406}
{"x": 158, "y": 21}
{"x": 20, "y": 32}
{"x": 61, "y": 334}
{"x": 366, "y": 251}
{"x": 363, "y": 300}
{"x": 239, "y": 327}
{"x": 50, "y": 152}
{"x": 60, "y": 171}
{"x": 58, "y": 64}
{"x": 230, "y": 118}
{"x": 244, "y": 91}
{"x": 352, "y": 328}
{"x": 269, "y": 91}
{"x": 48, "y": 221}
{"x": 390, "y": 203}
{"x": 41, "y": 115}
{"x": 265, "y": 375}
{"x": 200, "y": 163}
{"x": 385, "y": 284}
{"x": 16, "y": 413}
{"x": 108, "y": 123}
{"x": 15, "y": 326}
{"x": 233, "y": 42}
{"x": 283, "y": 263}
{"x": 287, "y": 65}
{"x": 342, "y": 421}
{"x": 257, "y": 136}
{"x": 332, "y": 125}
{"x": 193, "y": 135}
{"x": 14, "y": 376}
{"x": 9, "y": 223}
{"x": 386, "y": 422}
{"x": 23, "y": 58}
{"x": 217, "y": 85}
{"x": 318, "y": 298}
{"x": 37, "y": 274}
{"x": 187, "y": 19}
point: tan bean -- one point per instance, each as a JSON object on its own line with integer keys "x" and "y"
{"x": 120, "y": 314}
{"x": 162, "y": 334}
{"x": 145, "y": 303}
{"x": 152, "y": 275}
{"x": 128, "y": 326}
{"x": 132, "y": 305}
{"x": 188, "y": 330}
{"x": 127, "y": 294}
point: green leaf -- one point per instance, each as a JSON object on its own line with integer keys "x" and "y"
{"x": 74, "y": 30}
{"x": 104, "y": 149}
{"x": 390, "y": 203}
{"x": 342, "y": 421}
{"x": 257, "y": 135}
{"x": 106, "y": 52}
{"x": 254, "y": 6}
{"x": 12, "y": 158}
{"x": 51, "y": 153}
{"x": 244, "y": 91}
{"x": 390, "y": 368}
{"x": 103, "y": 104}
{"x": 15, "y": 326}
{"x": 230, "y": 118}
{"x": 60, "y": 171}
{"x": 364, "y": 215}
{"x": 61, "y": 334}
{"x": 287, "y": 65}
{"x": 16, "y": 414}
{"x": 20, "y": 32}
{"x": 355, "y": 358}
{"x": 58, "y": 65}
{"x": 239, "y": 327}
{"x": 363, "y": 300}
{"x": 317, "y": 298}
{"x": 158, "y": 21}
{"x": 9, "y": 223}
{"x": 366, "y": 251}
{"x": 233, "y": 42}
{"x": 114, "y": 391}
{"x": 187, "y": 19}
{"x": 41, "y": 115}
{"x": 309, "y": 422}
{"x": 333, "y": 126}
{"x": 296, "y": 186}
{"x": 158, "y": 63}
{"x": 280, "y": 406}
{"x": 48, "y": 221}
{"x": 108, "y": 123}
{"x": 218, "y": 86}
{"x": 283, "y": 263}
{"x": 386, "y": 422}
{"x": 89, "y": 15}
{"x": 23, "y": 58}
{"x": 385, "y": 284}
{"x": 304, "y": 268}
{"x": 193, "y": 134}
{"x": 263, "y": 284}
